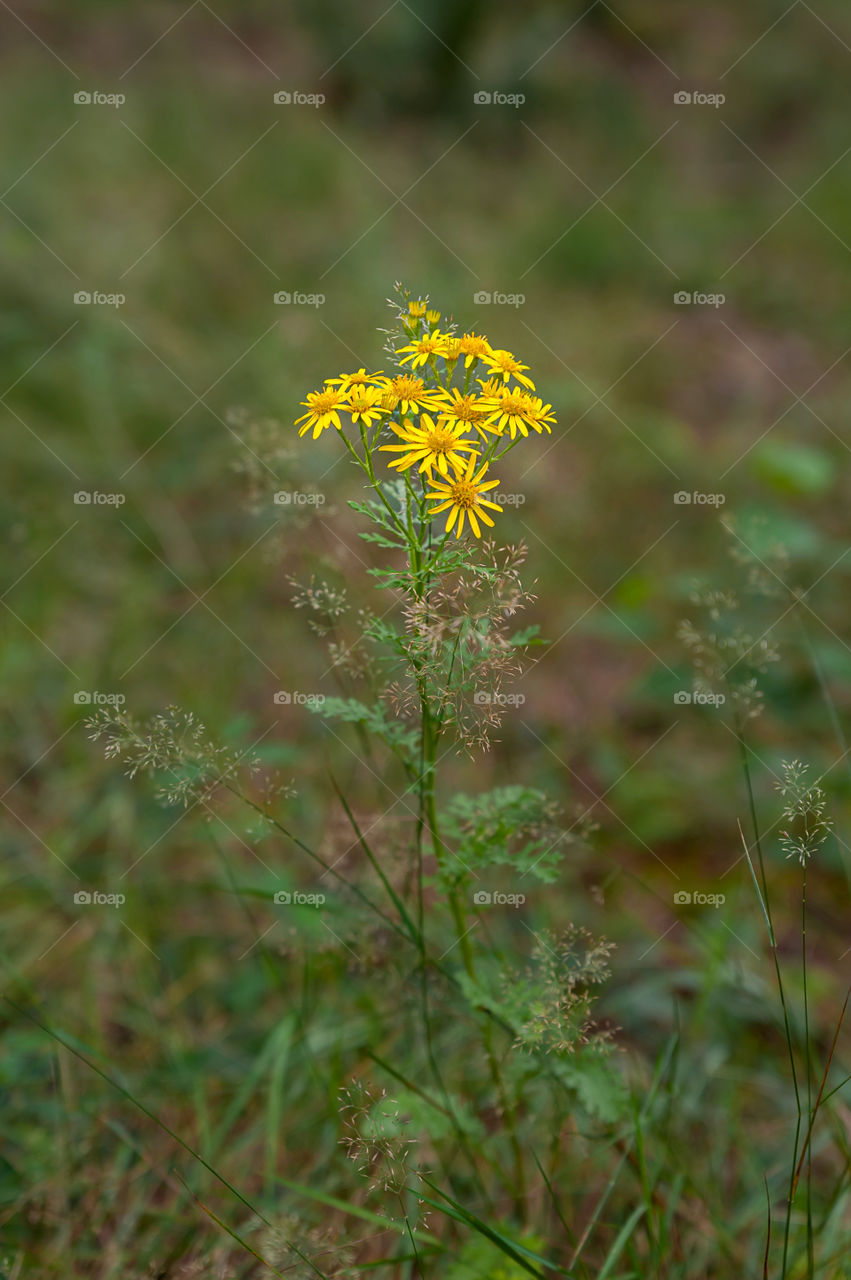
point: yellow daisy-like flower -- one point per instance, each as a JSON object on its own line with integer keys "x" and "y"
{"x": 417, "y": 309}
{"x": 451, "y": 349}
{"x": 540, "y": 415}
{"x": 432, "y": 316}
{"x": 430, "y": 444}
{"x": 467, "y": 411}
{"x": 503, "y": 364}
{"x": 323, "y": 409}
{"x": 364, "y": 404}
{"x": 422, "y": 349}
{"x": 517, "y": 410}
{"x": 474, "y": 347}
{"x": 464, "y": 496}
{"x": 359, "y": 379}
{"x": 409, "y": 394}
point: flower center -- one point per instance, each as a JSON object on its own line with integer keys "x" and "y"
{"x": 440, "y": 441}
{"x": 465, "y": 411}
{"x": 514, "y": 404}
{"x": 472, "y": 345}
{"x": 406, "y": 387}
{"x": 464, "y": 494}
{"x": 325, "y": 401}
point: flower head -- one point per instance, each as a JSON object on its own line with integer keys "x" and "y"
{"x": 364, "y": 404}
{"x": 474, "y": 347}
{"x": 516, "y": 410}
{"x": 422, "y": 349}
{"x": 468, "y": 411}
{"x": 503, "y": 365}
{"x": 409, "y": 395}
{"x": 360, "y": 379}
{"x": 323, "y": 409}
{"x": 463, "y": 495}
{"x": 430, "y": 444}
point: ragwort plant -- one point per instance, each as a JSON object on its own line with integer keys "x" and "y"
{"x": 479, "y": 1151}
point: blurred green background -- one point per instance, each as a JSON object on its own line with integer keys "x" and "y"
{"x": 598, "y": 198}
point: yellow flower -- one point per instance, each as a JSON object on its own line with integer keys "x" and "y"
{"x": 322, "y": 410}
{"x": 469, "y": 410}
{"x": 409, "y": 394}
{"x": 464, "y": 496}
{"x": 429, "y": 445}
{"x": 515, "y": 409}
{"x": 364, "y": 404}
{"x": 540, "y": 415}
{"x": 502, "y": 363}
{"x": 418, "y": 308}
{"x": 432, "y": 316}
{"x": 422, "y": 349}
{"x": 359, "y": 379}
{"x": 451, "y": 349}
{"x": 474, "y": 347}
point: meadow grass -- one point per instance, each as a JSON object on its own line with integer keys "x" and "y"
{"x": 186, "y": 1074}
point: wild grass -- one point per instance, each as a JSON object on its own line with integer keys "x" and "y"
{"x": 177, "y": 1073}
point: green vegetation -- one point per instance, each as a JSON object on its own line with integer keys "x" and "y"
{"x": 621, "y": 1087}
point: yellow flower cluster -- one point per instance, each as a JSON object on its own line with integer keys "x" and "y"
{"x": 437, "y": 425}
